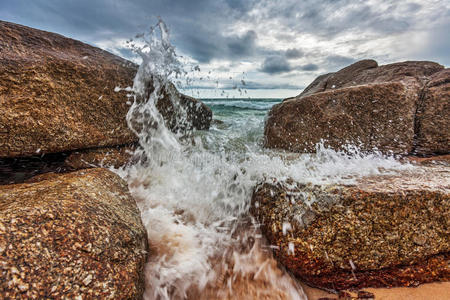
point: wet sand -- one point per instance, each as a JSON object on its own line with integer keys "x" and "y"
{"x": 430, "y": 291}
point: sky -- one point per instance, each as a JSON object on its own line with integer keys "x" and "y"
{"x": 247, "y": 48}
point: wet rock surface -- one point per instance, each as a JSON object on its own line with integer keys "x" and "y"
{"x": 399, "y": 108}
{"x": 77, "y": 235}
{"x": 116, "y": 157}
{"x": 370, "y": 116}
{"x": 57, "y": 94}
{"x": 192, "y": 113}
{"x": 433, "y": 116}
{"x": 383, "y": 231}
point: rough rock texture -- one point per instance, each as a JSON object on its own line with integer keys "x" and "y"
{"x": 318, "y": 85}
{"x": 383, "y": 231}
{"x": 367, "y": 71}
{"x": 433, "y": 116}
{"x": 338, "y": 79}
{"x": 100, "y": 157}
{"x": 371, "y": 116}
{"x": 369, "y": 106}
{"x": 77, "y": 236}
{"x": 57, "y": 94}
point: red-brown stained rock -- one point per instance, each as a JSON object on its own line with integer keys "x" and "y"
{"x": 383, "y": 231}
{"x": 57, "y": 94}
{"x": 370, "y": 116}
{"x": 77, "y": 234}
{"x": 433, "y": 116}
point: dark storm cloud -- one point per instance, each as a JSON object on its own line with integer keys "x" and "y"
{"x": 219, "y": 46}
{"x": 206, "y": 30}
{"x": 294, "y": 53}
{"x": 275, "y": 65}
{"x": 328, "y": 18}
{"x": 200, "y": 27}
{"x": 309, "y": 67}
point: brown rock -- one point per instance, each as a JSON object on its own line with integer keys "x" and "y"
{"x": 383, "y": 231}
{"x": 433, "y": 116}
{"x": 370, "y": 116}
{"x": 343, "y": 295}
{"x": 368, "y": 72}
{"x": 191, "y": 114}
{"x": 338, "y": 79}
{"x": 411, "y": 72}
{"x": 368, "y": 106}
{"x": 100, "y": 157}
{"x": 318, "y": 85}
{"x": 71, "y": 235}
{"x": 365, "y": 295}
{"x": 57, "y": 94}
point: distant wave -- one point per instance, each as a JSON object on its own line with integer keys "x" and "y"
{"x": 241, "y": 104}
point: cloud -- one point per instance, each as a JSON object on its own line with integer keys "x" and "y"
{"x": 275, "y": 65}
{"x": 249, "y": 85}
{"x": 294, "y": 53}
{"x": 219, "y": 46}
{"x": 339, "y": 61}
{"x": 309, "y": 67}
{"x": 260, "y": 37}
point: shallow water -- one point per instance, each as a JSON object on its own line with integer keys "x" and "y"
{"x": 194, "y": 193}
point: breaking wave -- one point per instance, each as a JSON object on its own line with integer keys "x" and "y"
{"x": 194, "y": 193}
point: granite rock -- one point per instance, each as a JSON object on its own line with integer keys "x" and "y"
{"x": 433, "y": 116}
{"x": 381, "y": 231}
{"x": 58, "y": 94}
{"x": 376, "y": 116}
{"x": 77, "y": 235}
{"x": 400, "y": 108}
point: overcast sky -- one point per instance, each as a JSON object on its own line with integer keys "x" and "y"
{"x": 277, "y": 47}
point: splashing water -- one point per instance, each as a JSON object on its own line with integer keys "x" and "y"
{"x": 194, "y": 194}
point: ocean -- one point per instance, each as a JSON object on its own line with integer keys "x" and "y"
{"x": 194, "y": 189}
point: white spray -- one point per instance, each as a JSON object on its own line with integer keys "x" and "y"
{"x": 194, "y": 194}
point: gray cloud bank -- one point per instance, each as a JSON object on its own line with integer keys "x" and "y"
{"x": 297, "y": 38}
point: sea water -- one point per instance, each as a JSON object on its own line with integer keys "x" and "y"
{"x": 194, "y": 188}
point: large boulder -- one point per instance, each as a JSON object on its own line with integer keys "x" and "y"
{"x": 369, "y": 116}
{"x": 382, "y": 231}
{"x": 338, "y": 79}
{"x": 373, "y": 107}
{"x": 57, "y": 94}
{"x": 433, "y": 114}
{"x": 367, "y": 71}
{"x": 77, "y": 235}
